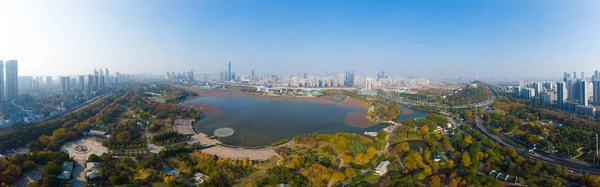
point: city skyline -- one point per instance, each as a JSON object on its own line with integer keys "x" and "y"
{"x": 402, "y": 37}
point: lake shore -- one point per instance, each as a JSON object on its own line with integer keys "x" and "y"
{"x": 358, "y": 119}
{"x": 206, "y": 109}
{"x": 407, "y": 112}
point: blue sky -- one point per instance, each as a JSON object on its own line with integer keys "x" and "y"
{"x": 507, "y": 38}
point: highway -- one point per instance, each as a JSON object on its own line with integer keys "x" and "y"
{"x": 574, "y": 165}
{"x": 571, "y": 164}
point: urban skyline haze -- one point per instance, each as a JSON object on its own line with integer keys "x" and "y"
{"x": 439, "y": 39}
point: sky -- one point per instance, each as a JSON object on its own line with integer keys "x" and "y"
{"x": 439, "y": 39}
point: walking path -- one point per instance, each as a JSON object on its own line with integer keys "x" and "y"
{"x": 240, "y": 153}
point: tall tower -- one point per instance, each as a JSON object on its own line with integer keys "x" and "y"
{"x": 582, "y": 91}
{"x": 90, "y": 83}
{"x": 596, "y": 91}
{"x": 81, "y": 83}
{"x": 369, "y": 84}
{"x": 1, "y": 80}
{"x": 561, "y": 90}
{"x": 228, "y": 78}
{"x": 12, "y": 79}
{"x": 65, "y": 83}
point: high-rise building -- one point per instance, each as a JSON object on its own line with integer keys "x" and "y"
{"x": 571, "y": 91}
{"x": 107, "y": 74}
{"x": 1, "y": 80}
{"x": 91, "y": 83}
{"x": 228, "y": 78}
{"x": 561, "y": 91}
{"x": 596, "y": 91}
{"x": 96, "y": 82}
{"x": 65, "y": 83}
{"x": 582, "y": 77}
{"x": 81, "y": 83}
{"x": 582, "y": 91}
{"x": 369, "y": 84}
{"x": 49, "y": 80}
{"x": 251, "y": 73}
{"x": 349, "y": 78}
{"x": 12, "y": 79}
{"x": 537, "y": 86}
{"x": 102, "y": 85}
{"x": 596, "y": 75}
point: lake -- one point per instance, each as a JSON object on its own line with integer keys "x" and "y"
{"x": 261, "y": 121}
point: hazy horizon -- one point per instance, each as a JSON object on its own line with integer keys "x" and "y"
{"x": 437, "y": 38}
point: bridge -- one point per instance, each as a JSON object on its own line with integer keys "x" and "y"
{"x": 483, "y": 104}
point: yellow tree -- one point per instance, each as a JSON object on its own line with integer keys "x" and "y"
{"x": 478, "y": 156}
{"x": 337, "y": 176}
{"x": 468, "y": 140}
{"x": 349, "y": 172}
{"x": 466, "y": 159}
{"x": 435, "y": 181}
{"x": 425, "y": 129}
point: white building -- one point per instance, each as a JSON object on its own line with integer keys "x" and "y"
{"x": 381, "y": 169}
{"x": 369, "y": 84}
{"x": 92, "y": 170}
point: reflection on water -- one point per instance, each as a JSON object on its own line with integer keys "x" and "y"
{"x": 259, "y": 121}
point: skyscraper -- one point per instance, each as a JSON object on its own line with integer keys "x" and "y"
{"x": 49, "y": 80}
{"x": 537, "y": 86}
{"x": 561, "y": 90}
{"x": 101, "y": 83}
{"x": 369, "y": 84}
{"x": 596, "y": 91}
{"x": 65, "y": 83}
{"x": 107, "y": 74}
{"x": 228, "y": 78}
{"x": 582, "y": 92}
{"x": 12, "y": 79}
{"x": 81, "y": 83}
{"x": 349, "y": 78}
{"x": 90, "y": 83}
{"x": 1, "y": 80}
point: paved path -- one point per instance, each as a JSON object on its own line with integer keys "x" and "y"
{"x": 239, "y": 153}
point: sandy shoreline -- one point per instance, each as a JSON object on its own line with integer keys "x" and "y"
{"x": 206, "y": 109}
{"x": 407, "y": 111}
{"x": 355, "y": 119}
{"x": 358, "y": 119}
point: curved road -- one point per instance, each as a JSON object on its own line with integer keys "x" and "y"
{"x": 574, "y": 165}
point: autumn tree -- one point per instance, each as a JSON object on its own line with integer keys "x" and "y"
{"x": 435, "y": 181}
{"x": 468, "y": 140}
{"x": 465, "y": 159}
{"x": 412, "y": 160}
{"x": 124, "y": 137}
{"x": 337, "y": 176}
{"x": 425, "y": 129}
{"x": 349, "y": 172}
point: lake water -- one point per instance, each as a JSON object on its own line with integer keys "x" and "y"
{"x": 261, "y": 121}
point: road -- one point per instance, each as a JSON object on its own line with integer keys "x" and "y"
{"x": 439, "y": 105}
{"x": 571, "y": 164}
{"x": 574, "y": 165}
